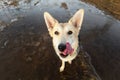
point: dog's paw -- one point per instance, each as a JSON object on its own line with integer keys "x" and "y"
{"x": 61, "y": 69}
{"x": 70, "y": 62}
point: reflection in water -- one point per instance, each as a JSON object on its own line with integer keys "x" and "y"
{"x": 23, "y": 40}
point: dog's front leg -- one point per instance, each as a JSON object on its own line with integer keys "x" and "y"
{"x": 62, "y": 66}
{"x": 70, "y": 62}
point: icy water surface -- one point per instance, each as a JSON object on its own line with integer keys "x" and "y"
{"x": 26, "y": 51}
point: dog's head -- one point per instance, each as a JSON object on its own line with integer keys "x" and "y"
{"x": 65, "y": 35}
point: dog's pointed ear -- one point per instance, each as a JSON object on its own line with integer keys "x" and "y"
{"x": 77, "y": 19}
{"x": 49, "y": 20}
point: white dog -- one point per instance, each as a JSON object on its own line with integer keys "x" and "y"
{"x": 65, "y": 36}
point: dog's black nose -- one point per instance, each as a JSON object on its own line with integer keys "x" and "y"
{"x": 62, "y": 47}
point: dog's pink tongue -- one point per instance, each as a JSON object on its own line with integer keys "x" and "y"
{"x": 68, "y": 50}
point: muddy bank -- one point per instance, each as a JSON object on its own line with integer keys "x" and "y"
{"x": 111, "y": 7}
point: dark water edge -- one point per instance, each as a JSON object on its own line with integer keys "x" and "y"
{"x": 23, "y": 41}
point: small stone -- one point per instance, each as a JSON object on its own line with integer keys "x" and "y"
{"x": 28, "y": 59}
{"x": 43, "y": 48}
{"x": 19, "y": 79}
{"x": 6, "y": 42}
{"x": 37, "y": 44}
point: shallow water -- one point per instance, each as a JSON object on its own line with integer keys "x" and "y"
{"x": 25, "y": 43}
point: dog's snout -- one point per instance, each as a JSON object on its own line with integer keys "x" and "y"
{"x": 62, "y": 47}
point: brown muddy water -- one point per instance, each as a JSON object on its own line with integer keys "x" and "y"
{"x": 26, "y": 51}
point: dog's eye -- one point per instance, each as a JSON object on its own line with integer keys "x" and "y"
{"x": 56, "y": 32}
{"x": 70, "y": 32}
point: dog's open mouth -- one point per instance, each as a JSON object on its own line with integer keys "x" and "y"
{"x": 63, "y": 56}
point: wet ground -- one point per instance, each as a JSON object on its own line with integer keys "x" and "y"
{"x": 26, "y": 51}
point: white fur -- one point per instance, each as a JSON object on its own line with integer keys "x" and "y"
{"x": 74, "y": 25}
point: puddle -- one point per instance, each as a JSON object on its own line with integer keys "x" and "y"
{"x": 26, "y": 51}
